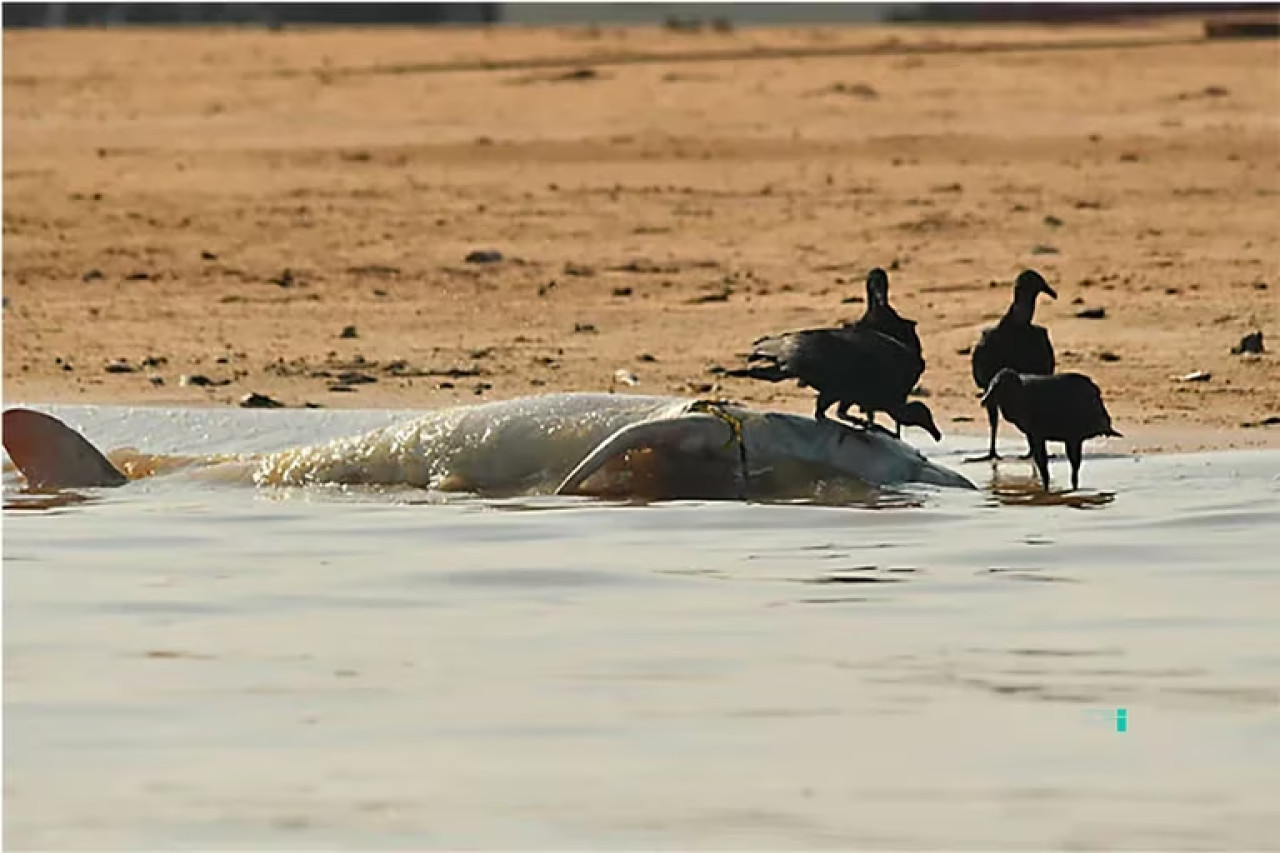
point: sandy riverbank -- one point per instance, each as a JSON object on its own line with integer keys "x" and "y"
{"x": 226, "y": 203}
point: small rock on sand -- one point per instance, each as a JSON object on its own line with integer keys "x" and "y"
{"x": 254, "y": 400}
{"x": 1250, "y": 343}
{"x": 348, "y": 332}
{"x": 200, "y": 380}
{"x": 352, "y": 377}
{"x": 483, "y": 256}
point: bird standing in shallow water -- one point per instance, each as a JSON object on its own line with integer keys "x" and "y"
{"x": 1016, "y": 343}
{"x": 1064, "y": 407}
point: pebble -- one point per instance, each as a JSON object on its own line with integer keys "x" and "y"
{"x": 1250, "y": 343}
{"x": 254, "y": 400}
{"x": 351, "y": 377}
{"x": 200, "y": 380}
{"x": 483, "y": 256}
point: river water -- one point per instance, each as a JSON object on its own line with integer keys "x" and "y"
{"x": 192, "y": 665}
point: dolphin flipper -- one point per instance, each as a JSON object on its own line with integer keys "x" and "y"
{"x": 51, "y": 455}
{"x": 690, "y": 433}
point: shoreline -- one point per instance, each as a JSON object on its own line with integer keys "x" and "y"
{"x": 1137, "y": 440}
{"x": 264, "y": 210}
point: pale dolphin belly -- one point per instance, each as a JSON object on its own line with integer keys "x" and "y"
{"x": 526, "y": 444}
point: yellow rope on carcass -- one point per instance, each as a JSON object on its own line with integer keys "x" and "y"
{"x": 715, "y": 408}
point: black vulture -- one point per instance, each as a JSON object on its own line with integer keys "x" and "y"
{"x": 849, "y": 366}
{"x": 880, "y": 316}
{"x": 1015, "y": 342}
{"x": 1064, "y": 407}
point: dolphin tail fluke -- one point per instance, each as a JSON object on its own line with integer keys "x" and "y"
{"x": 51, "y": 455}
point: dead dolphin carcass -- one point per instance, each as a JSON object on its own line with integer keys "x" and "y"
{"x": 590, "y": 444}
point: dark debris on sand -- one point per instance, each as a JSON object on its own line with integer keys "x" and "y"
{"x": 1250, "y": 343}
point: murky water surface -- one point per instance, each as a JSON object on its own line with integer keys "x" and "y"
{"x": 193, "y": 665}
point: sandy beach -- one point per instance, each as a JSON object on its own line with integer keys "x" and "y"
{"x": 291, "y": 213}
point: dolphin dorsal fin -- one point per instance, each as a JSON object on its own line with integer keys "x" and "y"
{"x": 51, "y": 455}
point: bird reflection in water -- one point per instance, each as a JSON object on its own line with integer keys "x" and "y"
{"x": 1025, "y": 490}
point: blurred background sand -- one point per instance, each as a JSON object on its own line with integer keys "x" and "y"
{"x": 290, "y": 212}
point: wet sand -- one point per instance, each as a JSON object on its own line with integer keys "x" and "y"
{"x": 225, "y": 204}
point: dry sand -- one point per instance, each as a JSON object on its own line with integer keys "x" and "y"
{"x": 225, "y": 203}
